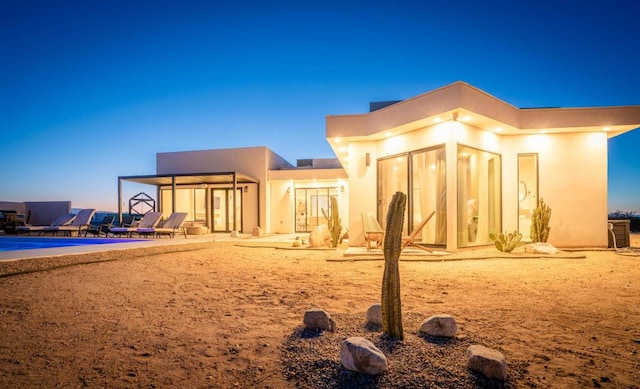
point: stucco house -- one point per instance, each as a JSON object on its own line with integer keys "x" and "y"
{"x": 478, "y": 162}
{"x": 481, "y": 165}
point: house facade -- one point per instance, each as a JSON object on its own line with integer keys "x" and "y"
{"x": 475, "y": 162}
{"x": 480, "y": 165}
{"x": 235, "y": 190}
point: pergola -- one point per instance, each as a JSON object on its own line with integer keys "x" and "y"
{"x": 175, "y": 180}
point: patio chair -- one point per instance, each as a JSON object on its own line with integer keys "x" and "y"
{"x": 102, "y": 226}
{"x": 409, "y": 240}
{"x": 79, "y": 224}
{"x": 372, "y": 230}
{"x": 150, "y": 219}
{"x": 61, "y": 220}
{"x": 173, "y": 223}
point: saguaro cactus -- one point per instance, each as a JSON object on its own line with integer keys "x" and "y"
{"x": 391, "y": 306}
{"x": 540, "y": 222}
{"x": 334, "y": 223}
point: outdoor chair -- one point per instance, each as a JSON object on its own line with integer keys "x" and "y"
{"x": 173, "y": 223}
{"x": 409, "y": 240}
{"x": 150, "y": 219}
{"x": 102, "y": 227}
{"x": 61, "y": 220}
{"x": 372, "y": 230}
{"x": 80, "y": 223}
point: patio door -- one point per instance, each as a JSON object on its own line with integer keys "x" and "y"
{"x": 222, "y": 209}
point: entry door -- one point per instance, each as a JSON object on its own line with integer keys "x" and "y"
{"x": 527, "y": 192}
{"x": 222, "y": 211}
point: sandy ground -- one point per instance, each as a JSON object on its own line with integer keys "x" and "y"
{"x": 217, "y": 315}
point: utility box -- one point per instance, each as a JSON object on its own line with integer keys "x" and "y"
{"x": 619, "y": 229}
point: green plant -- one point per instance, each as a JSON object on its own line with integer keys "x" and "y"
{"x": 540, "y": 222}
{"x": 506, "y": 242}
{"x": 391, "y": 305}
{"x": 334, "y": 223}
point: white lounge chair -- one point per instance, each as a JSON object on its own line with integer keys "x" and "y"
{"x": 61, "y": 220}
{"x": 173, "y": 223}
{"x": 149, "y": 220}
{"x": 80, "y": 223}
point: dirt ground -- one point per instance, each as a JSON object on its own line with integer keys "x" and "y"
{"x": 217, "y": 315}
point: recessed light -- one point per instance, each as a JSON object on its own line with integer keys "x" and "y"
{"x": 338, "y": 140}
{"x": 437, "y": 120}
{"x": 466, "y": 118}
{"x": 499, "y": 129}
{"x": 387, "y": 134}
{"x": 543, "y": 131}
{"x": 606, "y": 128}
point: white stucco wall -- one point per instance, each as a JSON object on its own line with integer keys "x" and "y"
{"x": 573, "y": 182}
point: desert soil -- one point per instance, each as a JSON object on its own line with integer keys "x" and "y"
{"x": 225, "y": 315}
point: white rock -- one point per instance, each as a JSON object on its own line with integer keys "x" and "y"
{"x": 487, "y": 361}
{"x": 318, "y": 320}
{"x": 374, "y": 314}
{"x": 440, "y": 325}
{"x": 360, "y": 355}
{"x": 540, "y": 248}
{"x": 320, "y": 236}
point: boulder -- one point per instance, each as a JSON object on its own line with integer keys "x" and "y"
{"x": 374, "y": 314}
{"x": 440, "y": 325}
{"x": 318, "y": 320}
{"x": 540, "y": 248}
{"x": 360, "y": 355}
{"x": 320, "y": 236}
{"x": 257, "y": 231}
{"x": 487, "y": 361}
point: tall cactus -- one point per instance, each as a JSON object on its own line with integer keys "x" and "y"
{"x": 540, "y": 222}
{"x": 391, "y": 306}
{"x": 334, "y": 223}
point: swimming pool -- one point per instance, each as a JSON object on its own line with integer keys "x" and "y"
{"x": 8, "y": 243}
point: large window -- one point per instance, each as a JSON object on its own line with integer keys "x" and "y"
{"x": 190, "y": 200}
{"x": 421, "y": 175}
{"x": 479, "y": 199}
{"x": 310, "y": 202}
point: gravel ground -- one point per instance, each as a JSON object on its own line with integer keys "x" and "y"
{"x": 312, "y": 360}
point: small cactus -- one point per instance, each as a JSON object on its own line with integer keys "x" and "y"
{"x": 391, "y": 306}
{"x": 540, "y": 222}
{"x": 506, "y": 242}
{"x": 334, "y": 223}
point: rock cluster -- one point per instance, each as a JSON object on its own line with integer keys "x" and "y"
{"x": 362, "y": 356}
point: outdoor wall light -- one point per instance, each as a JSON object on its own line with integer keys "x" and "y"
{"x": 367, "y": 159}
{"x": 341, "y": 188}
{"x": 288, "y": 189}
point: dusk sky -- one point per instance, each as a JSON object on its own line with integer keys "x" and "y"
{"x": 92, "y": 90}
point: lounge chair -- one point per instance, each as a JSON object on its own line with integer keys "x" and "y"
{"x": 79, "y": 224}
{"x": 101, "y": 227}
{"x": 150, "y": 219}
{"x": 372, "y": 230}
{"x": 173, "y": 223}
{"x": 409, "y": 240}
{"x": 61, "y": 220}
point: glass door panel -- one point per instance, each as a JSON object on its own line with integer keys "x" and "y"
{"x": 393, "y": 177}
{"x": 222, "y": 211}
{"x": 429, "y": 194}
{"x": 479, "y": 196}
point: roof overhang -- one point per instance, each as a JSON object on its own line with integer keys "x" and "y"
{"x": 463, "y": 102}
{"x": 191, "y": 179}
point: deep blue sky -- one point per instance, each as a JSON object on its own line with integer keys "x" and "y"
{"x": 91, "y": 90}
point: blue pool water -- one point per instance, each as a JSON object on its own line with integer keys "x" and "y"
{"x": 28, "y": 243}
